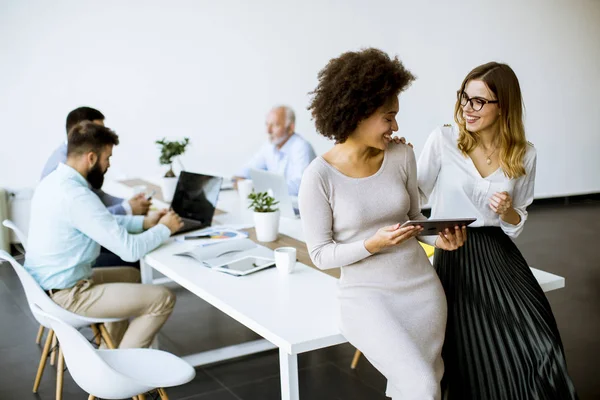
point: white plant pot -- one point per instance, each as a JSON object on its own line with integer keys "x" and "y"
{"x": 266, "y": 225}
{"x": 168, "y": 186}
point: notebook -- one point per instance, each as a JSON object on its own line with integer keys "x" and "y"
{"x": 232, "y": 257}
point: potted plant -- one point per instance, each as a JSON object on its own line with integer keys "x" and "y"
{"x": 266, "y": 216}
{"x": 168, "y": 151}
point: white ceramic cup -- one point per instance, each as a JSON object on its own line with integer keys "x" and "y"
{"x": 244, "y": 187}
{"x": 285, "y": 259}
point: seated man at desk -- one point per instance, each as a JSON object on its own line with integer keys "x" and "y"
{"x": 137, "y": 205}
{"x": 68, "y": 225}
{"x": 286, "y": 153}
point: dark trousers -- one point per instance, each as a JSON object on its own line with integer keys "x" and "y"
{"x": 109, "y": 259}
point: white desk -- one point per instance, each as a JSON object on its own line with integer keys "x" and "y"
{"x": 295, "y": 313}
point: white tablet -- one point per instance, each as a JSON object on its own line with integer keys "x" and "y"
{"x": 434, "y": 226}
{"x": 245, "y": 265}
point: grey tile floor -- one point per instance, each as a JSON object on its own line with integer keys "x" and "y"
{"x": 561, "y": 239}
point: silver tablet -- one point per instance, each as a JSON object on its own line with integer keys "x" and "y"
{"x": 245, "y": 265}
{"x": 434, "y": 226}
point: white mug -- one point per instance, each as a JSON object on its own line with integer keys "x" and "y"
{"x": 285, "y": 259}
{"x": 244, "y": 188}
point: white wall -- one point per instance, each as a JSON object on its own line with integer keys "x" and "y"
{"x": 210, "y": 70}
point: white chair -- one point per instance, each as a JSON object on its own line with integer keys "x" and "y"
{"x": 23, "y": 239}
{"x": 117, "y": 374}
{"x": 20, "y": 235}
{"x": 37, "y": 296}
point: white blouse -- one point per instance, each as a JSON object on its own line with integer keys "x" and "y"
{"x": 450, "y": 183}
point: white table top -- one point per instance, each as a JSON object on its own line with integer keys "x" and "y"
{"x": 230, "y": 202}
{"x": 296, "y": 312}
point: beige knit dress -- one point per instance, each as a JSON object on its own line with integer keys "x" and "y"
{"x": 392, "y": 305}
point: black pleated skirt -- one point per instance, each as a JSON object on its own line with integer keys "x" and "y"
{"x": 502, "y": 342}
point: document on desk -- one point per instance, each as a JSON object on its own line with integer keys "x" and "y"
{"x": 209, "y": 236}
{"x": 220, "y": 253}
{"x": 236, "y": 257}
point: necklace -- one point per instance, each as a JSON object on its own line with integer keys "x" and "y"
{"x": 488, "y": 160}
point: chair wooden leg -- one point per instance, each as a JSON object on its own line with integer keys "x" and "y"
{"x": 92, "y": 397}
{"x": 97, "y": 334}
{"x": 60, "y": 373}
{"x": 43, "y": 359}
{"x": 163, "y": 394}
{"x": 106, "y": 336}
{"x": 141, "y": 397}
{"x": 38, "y": 339}
{"x": 53, "y": 355}
{"x": 357, "y": 354}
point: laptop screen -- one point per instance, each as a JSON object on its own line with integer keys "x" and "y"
{"x": 196, "y": 196}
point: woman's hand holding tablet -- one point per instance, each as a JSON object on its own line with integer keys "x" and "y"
{"x": 435, "y": 226}
{"x": 452, "y": 233}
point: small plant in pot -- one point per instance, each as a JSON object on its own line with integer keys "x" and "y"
{"x": 168, "y": 151}
{"x": 266, "y": 216}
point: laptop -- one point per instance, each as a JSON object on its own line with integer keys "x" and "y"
{"x": 276, "y": 186}
{"x": 195, "y": 200}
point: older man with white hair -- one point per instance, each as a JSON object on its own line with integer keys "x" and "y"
{"x": 286, "y": 153}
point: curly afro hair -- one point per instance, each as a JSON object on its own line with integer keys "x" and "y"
{"x": 352, "y": 87}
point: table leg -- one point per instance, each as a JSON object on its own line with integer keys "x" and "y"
{"x": 145, "y": 272}
{"x": 288, "y": 366}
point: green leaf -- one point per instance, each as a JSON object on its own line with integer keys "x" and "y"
{"x": 171, "y": 149}
{"x": 262, "y": 202}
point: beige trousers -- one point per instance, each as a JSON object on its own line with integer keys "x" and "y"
{"x": 117, "y": 292}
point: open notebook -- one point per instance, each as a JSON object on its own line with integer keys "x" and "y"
{"x": 234, "y": 257}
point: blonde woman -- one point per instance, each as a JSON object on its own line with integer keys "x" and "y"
{"x": 502, "y": 341}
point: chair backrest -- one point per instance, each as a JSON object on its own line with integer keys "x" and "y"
{"x": 20, "y": 235}
{"x": 36, "y": 295}
{"x": 86, "y": 366}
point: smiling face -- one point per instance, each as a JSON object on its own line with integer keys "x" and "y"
{"x": 487, "y": 117}
{"x": 376, "y": 131}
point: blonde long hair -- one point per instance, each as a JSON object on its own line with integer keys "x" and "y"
{"x": 503, "y": 82}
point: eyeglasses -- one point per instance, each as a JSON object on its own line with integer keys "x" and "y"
{"x": 477, "y": 103}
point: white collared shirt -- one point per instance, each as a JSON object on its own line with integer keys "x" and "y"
{"x": 69, "y": 223}
{"x": 290, "y": 161}
{"x": 114, "y": 204}
{"x": 454, "y": 188}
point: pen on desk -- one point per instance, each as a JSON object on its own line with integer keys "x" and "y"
{"x": 197, "y": 237}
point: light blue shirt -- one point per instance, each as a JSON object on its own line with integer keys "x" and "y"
{"x": 114, "y": 204}
{"x": 69, "y": 223}
{"x": 290, "y": 161}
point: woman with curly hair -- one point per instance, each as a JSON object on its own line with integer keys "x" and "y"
{"x": 353, "y": 200}
{"x": 502, "y": 342}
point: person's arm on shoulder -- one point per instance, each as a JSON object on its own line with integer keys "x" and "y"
{"x": 317, "y": 221}
{"x": 522, "y": 197}
{"x": 414, "y": 212}
{"x": 429, "y": 165}
{"x": 449, "y": 240}
{"x": 92, "y": 218}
